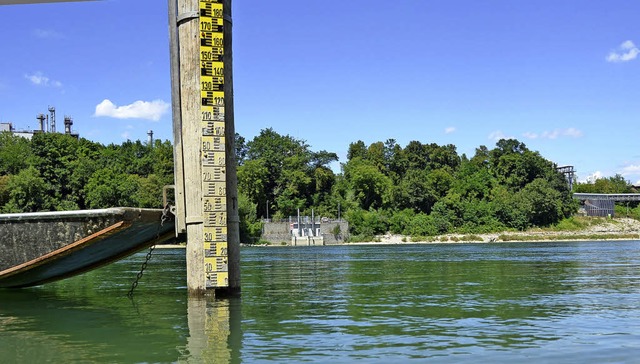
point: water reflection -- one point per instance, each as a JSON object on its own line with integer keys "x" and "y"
{"x": 215, "y": 334}
{"x": 89, "y": 319}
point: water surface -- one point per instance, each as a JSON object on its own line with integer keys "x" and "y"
{"x": 550, "y": 302}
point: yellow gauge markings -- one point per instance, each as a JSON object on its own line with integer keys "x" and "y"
{"x": 214, "y": 203}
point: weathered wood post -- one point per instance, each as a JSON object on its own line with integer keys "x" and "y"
{"x": 205, "y": 165}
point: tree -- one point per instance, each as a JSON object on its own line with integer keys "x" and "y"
{"x": 542, "y": 204}
{"x": 4, "y": 190}
{"x": 357, "y": 150}
{"x": 241, "y": 149}
{"x": 284, "y": 171}
{"x": 417, "y": 155}
{"x": 396, "y": 163}
{"x": 473, "y": 181}
{"x": 509, "y": 208}
{"x": 15, "y": 153}
{"x": 368, "y": 184}
{"x": 109, "y": 188}
{"x": 250, "y": 226}
{"x": 53, "y": 157}
{"x": 28, "y": 192}
{"x": 253, "y": 177}
{"x": 614, "y": 184}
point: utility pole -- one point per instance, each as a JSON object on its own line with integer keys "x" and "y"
{"x": 205, "y": 165}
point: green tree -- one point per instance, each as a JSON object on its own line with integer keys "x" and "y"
{"x": 253, "y": 178}
{"x": 28, "y": 192}
{"x": 283, "y": 172}
{"x": 357, "y": 150}
{"x": 15, "y": 153}
{"x": 615, "y": 184}
{"x": 53, "y": 158}
{"x": 509, "y": 208}
{"x": 4, "y": 190}
{"x": 369, "y": 185}
{"x": 542, "y": 204}
{"x": 250, "y": 226}
{"x": 109, "y": 188}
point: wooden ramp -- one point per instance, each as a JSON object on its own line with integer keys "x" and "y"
{"x": 37, "y": 248}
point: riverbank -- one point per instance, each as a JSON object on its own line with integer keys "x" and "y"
{"x": 593, "y": 229}
{"x": 589, "y": 229}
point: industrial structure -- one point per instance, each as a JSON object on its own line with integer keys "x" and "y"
{"x": 47, "y": 124}
{"x": 569, "y": 174}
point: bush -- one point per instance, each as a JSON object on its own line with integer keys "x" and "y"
{"x": 367, "y": 223}
{"x": 422, "y": 225}
{"x": 400, "y": 221}
{"x": 571, "y": 224}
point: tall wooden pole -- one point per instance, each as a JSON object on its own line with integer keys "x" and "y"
{"x": 191, "y": 127}
{"x": 233, "y": 219}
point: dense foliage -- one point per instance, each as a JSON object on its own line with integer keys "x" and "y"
{"x": 428, "y": 189}
{"x": 418, "y": 190}
{"x": 58, "y": 172}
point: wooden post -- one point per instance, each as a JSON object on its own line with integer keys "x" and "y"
{"x": 233, "y": 219}
{"x": 188, "y": 133}
{"x": 176, "y": 116}
{"x": 189, "y": 52}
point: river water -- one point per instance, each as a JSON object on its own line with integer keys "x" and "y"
{"x": 573, "y": 302}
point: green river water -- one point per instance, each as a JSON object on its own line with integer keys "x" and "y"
{"x": 546, "y": 302}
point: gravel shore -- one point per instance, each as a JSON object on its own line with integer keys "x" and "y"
{"x": 614, "y": 229}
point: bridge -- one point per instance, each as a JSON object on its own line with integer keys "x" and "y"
{"x": 603, "y": 204}
{"x": 618, "y": 197}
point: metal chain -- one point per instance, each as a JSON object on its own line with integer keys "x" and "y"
{"x": 163, "y": 218}
{"x": 144, "y": 266}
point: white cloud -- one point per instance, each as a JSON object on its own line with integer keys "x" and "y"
{"x": 555, "y": 134}
{"x": 573, "y": 133}
{"x": 149, "y": 110}
{"x": 593, "y": 177}
{"x": 39, "y": 79}
{"x": 126, "y": 135}
{"x": 450, "y": 130}
{"x": 632, "y": 170}
{"x": 627, "y": 51}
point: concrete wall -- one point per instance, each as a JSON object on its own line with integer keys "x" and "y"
{"x": 276, "y": 232}
{"x": 25, "y": 240}
{"x": 279, "y": 232}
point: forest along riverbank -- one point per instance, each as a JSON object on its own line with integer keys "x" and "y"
{"x": 600, "y": 229}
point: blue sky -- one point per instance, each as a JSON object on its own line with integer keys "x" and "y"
{"x": 561, "y": 76}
